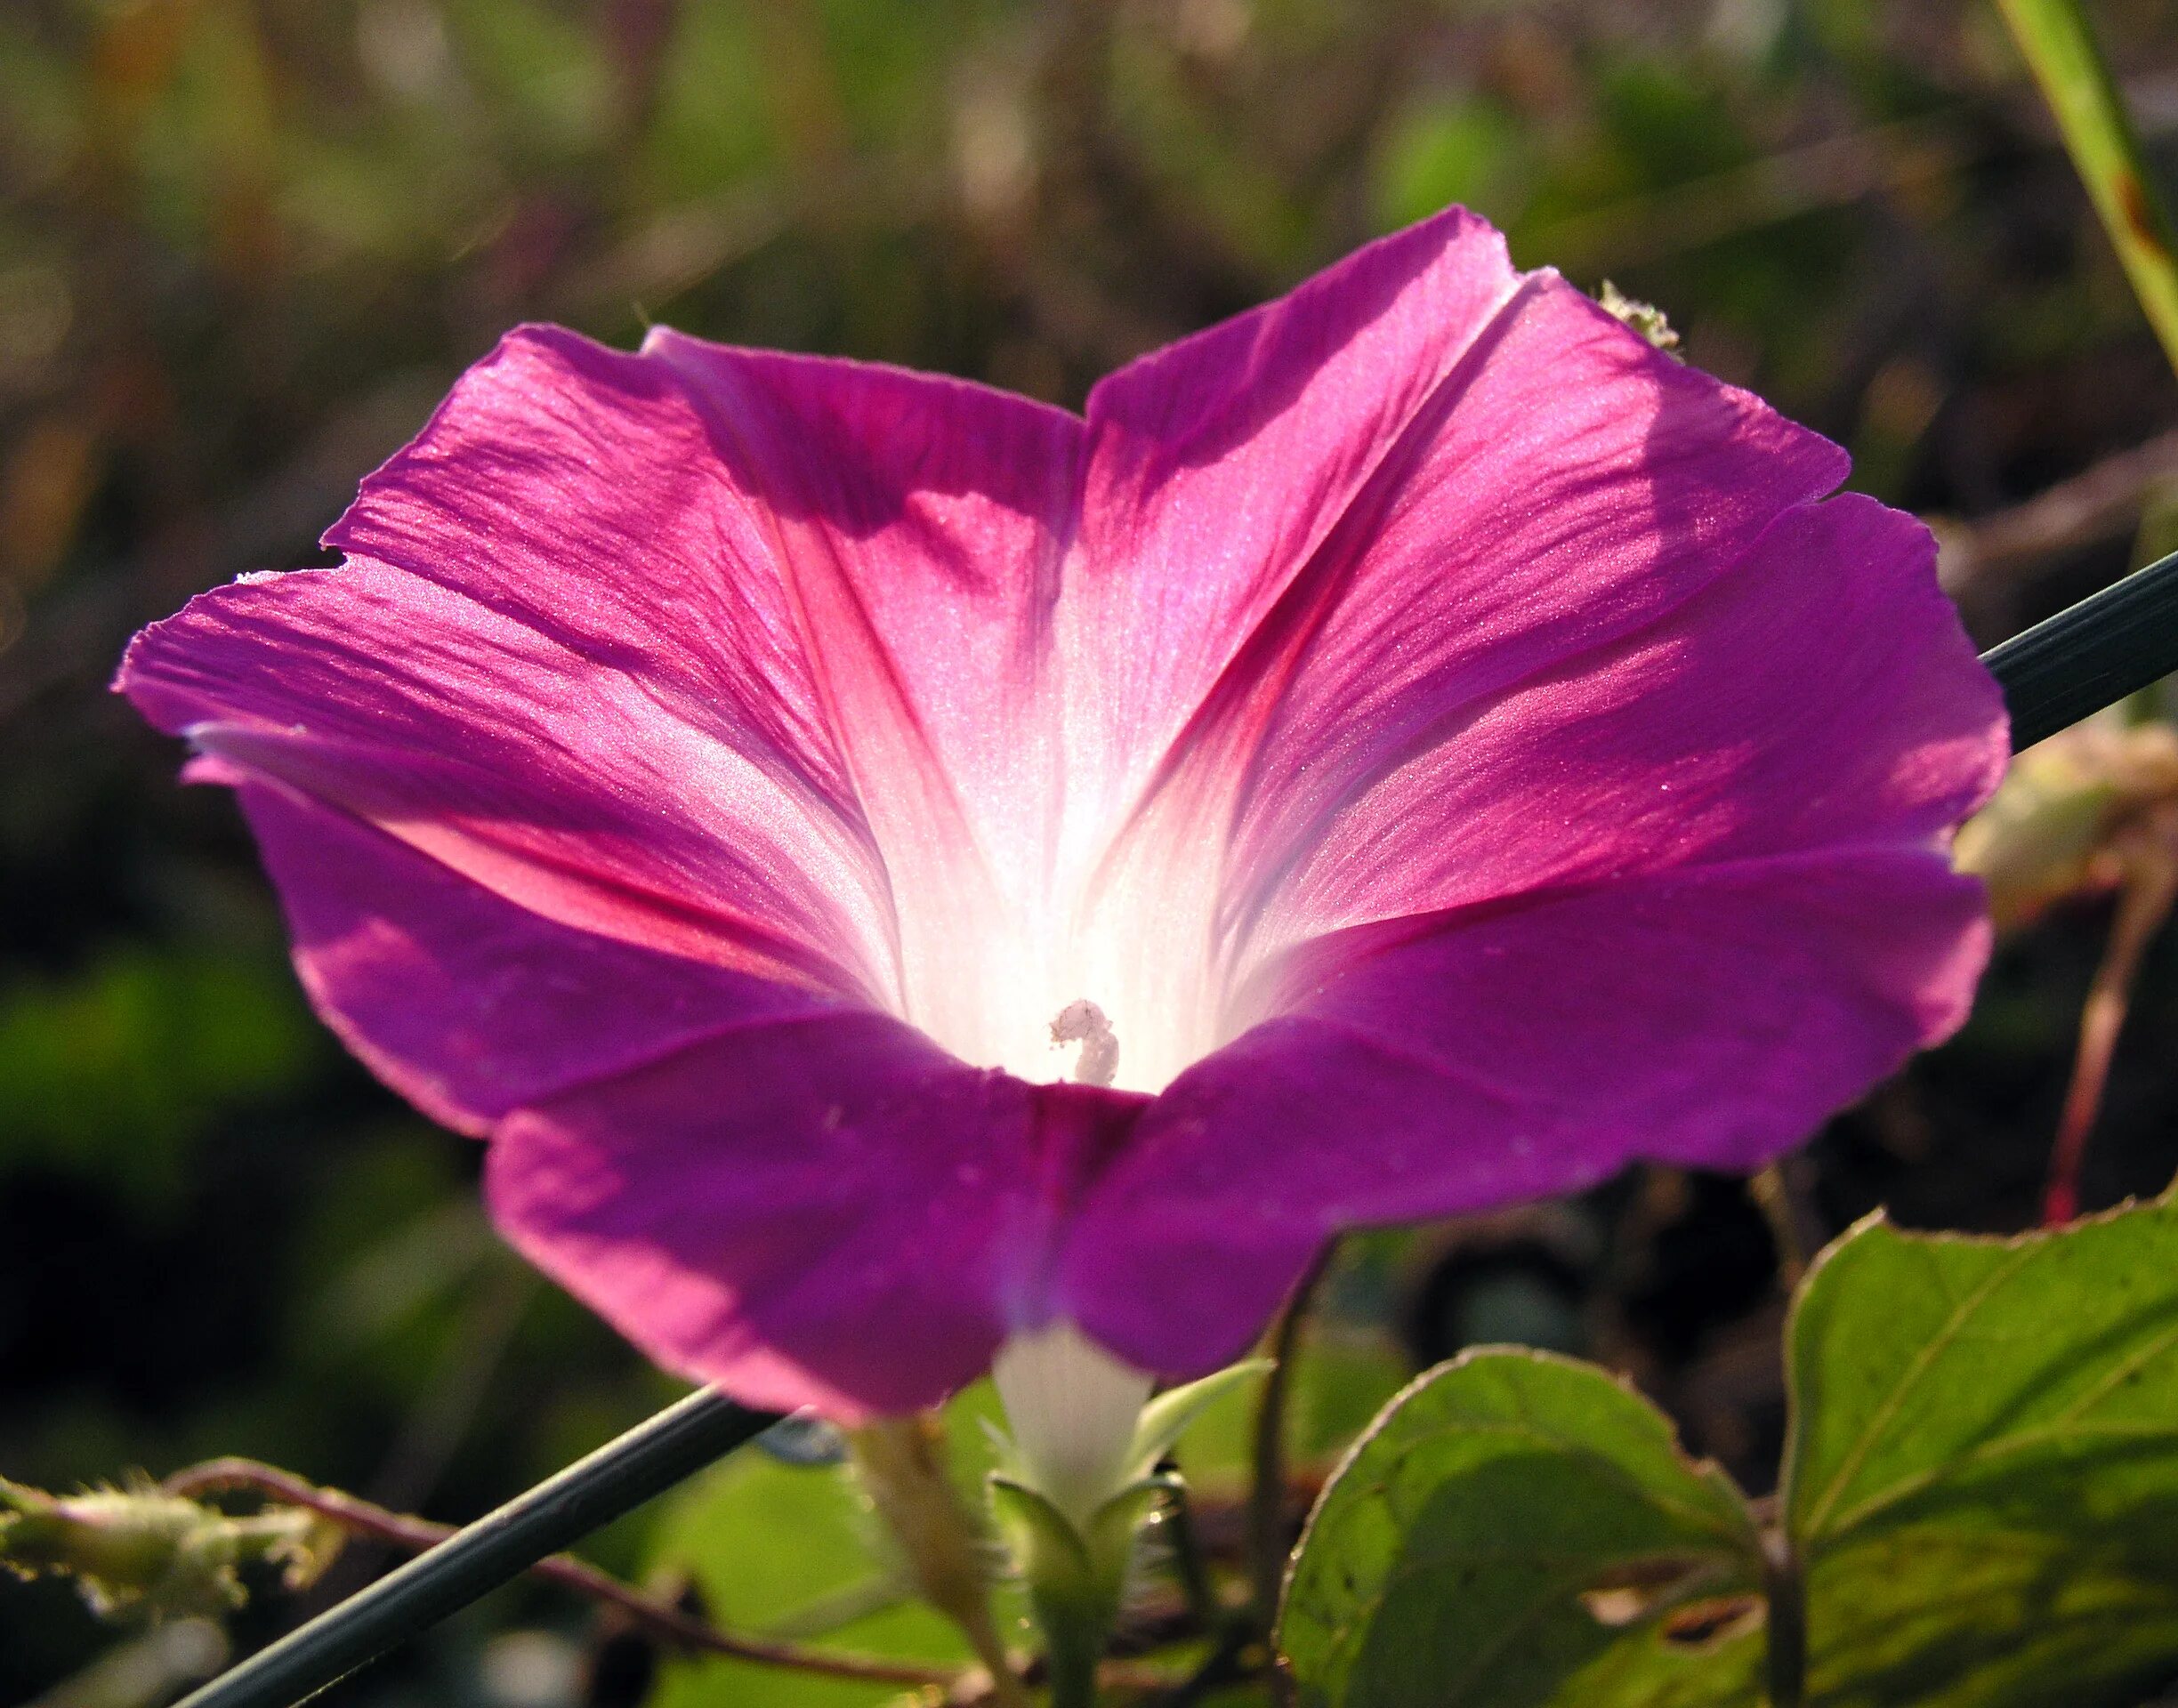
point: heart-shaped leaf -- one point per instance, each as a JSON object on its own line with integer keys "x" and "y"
{"x": 1518, "y": 1529}
{"x": 1983, "y": 1483}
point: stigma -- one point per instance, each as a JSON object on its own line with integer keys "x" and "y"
{"x": 1083, "y": 1022}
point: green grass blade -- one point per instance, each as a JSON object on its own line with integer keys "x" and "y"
{"x": 2061, "y": 52}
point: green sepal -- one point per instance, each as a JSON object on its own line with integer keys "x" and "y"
{"x": 1166, "y": 1418}
{"x": 1076, "y": 1579}
{"x": 1057, "y": 1559}
{"x": 1114, "y": 1525}
{"x": 1053, "y": 1556}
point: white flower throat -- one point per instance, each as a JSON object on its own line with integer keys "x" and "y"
{"x": 1073, "y": 1409}
{"x": 1118, "y": 953}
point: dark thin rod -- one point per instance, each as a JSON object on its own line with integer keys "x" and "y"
{"x": 617, "y": 1478}
{"x": 2092, "y": 656}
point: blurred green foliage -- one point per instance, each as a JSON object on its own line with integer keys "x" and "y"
{"x": 115, "y": 1074}
{"x": 245, "y": 243}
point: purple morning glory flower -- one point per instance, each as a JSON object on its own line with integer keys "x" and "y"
{"x": 891, "y": 866}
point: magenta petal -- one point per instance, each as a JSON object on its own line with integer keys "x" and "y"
{"x": 1710, "y": 1016}
{"x": 854, "y": 557}
{"x": 467, "y": 1004}
{"x": 857, "y": 1230}
{"x": 727, "y": 653}
{"x": 594, "y": 794}
{"x": 1219, "y": 465}
{"x": 1560, "y": 486}
{"x": 1821, "y": 694}
{"x": 917, "y": 524}
{"x": 741, "y": 1177}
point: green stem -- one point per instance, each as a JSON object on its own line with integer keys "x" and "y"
{"x": 1073, "y": 1646}
{"x": 903, "y": 1464}
{"x": 1785, "y": 1590}
{"x": 2061, "y": 52}
{"x": 1267, "y": 1545}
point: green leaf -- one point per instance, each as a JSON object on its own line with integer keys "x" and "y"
{"x": 1983, "y": 1478}
{"x": 1518, "y": 1528}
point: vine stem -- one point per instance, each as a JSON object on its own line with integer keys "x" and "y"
{"x": 659, "y": 1619}
{"x": 2144, "y": 903}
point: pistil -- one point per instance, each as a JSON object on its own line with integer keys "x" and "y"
{"x": 1083, "y": 1022}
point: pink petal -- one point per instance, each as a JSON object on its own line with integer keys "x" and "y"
{"x": 917, "y": 526}
{"x": 590, "y": 788}
{"x": 740, "y": 1176}
{"x": 1708, "y": 1017}
{"x": 1218, "y": 465}
{"x": 1679, "y": 896}
{"x": 1561, "y": 485}
{"x": 857, "y": 1229}
{"x": 1821, "y": 693}
{"x": 468, "y": 1005}
{"x": 719, "y": 651}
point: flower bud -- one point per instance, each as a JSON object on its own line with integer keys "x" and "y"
{"x": 138, "y": 1546}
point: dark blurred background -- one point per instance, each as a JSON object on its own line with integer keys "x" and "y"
{"x": 244, "y": 245}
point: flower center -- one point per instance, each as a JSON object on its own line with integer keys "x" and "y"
{"x": 1083, "y": 1022}
{"x": 996, "y": 959}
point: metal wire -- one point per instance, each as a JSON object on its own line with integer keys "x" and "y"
{"x": 2091, "y": 655}
{"x": 617, "y": 1478}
